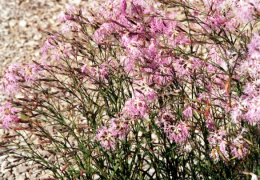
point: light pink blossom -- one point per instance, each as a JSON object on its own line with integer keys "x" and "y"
{"x": 119, "y": 127}
{"x": 134, "y": 107}
{"x": 187, "y": 113}
{"x": 8, "y": 115}
{"x": 177, "y": 133}
{"x": 144, "y": 92}
{"x": 12, "y": 78}
{"x": 238, "y": 148}
{"x": 123, "y": 6}
{"x": 105, "y": 136}
{"x": 62, "y": 17}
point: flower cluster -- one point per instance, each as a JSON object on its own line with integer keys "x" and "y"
{"x": 118, "y": 128}
{"x": 18, "y": 74}
{"x": 239, "y": 147}
{"x": 219, "y": 144}
{"x": 174, "y": 131}
{"x": 247, "y": 106}
{"x": 135, "y": 108}
{"x": 8, "y": 115}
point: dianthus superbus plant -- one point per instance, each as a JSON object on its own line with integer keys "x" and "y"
{"x": 142, "y": 90}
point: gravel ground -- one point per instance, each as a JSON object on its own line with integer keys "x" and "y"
{"x": 21, "y": 38}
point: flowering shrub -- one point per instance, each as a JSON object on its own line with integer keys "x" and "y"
{"x": 144, "y": 90}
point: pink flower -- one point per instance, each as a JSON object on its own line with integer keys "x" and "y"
{"x": 71, "y": 9}
{"x": 96, "y": 73}
{"x": 103, "y": 71}
{"x": 134, "y": 52}
{"x": 162, "y": 76}
{"x": 236, "y": 115}
{"x": 210, "y": 124}
{"x": 152, "y": 49}
{"x": 125, "y": 40}
{"x": 12, "y": 78}
{"x": 123, "y": 6}
{"x": 144, "y": 92}
{"x": 18, "y": 74}
{"x": 216, "y": 138}
{"x": 238, "y": 147}
{"x": 91, "y": 73}
{"x": 254, "y": 47}
{"x": 105, "y": 136}
{"x": 166, "y": 118}
{"x": 245, "y": 12}
{"x": 157, "y": 25}
{"x": 62, "y": 17}
{"x": 48, "y": 44}
{"x": 105, "y": 30}
{"x": 8, "y": 86}
{"x": 187, "y": 113}
{"x": 8, "y": 114}
{"x": 30, "y": 72}
{"x": 84, "y": 68}
{"x": 134, "y": 107}
{"x": 223, "y": 148}
{"x": 167, "y": 121}
{"x": 136, "y": 9}
{"x": 68, "y": 26}
{"x": 254, "y": 177}
{"x": 128, "y": 64}
{"x": 119, "y": 127}
{"x": 177, "y": 133}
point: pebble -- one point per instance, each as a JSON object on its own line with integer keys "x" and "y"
{"x": 7, "y": 174}
{"x": 11, "y": 177}
{"x": 37, "y": 54}
{"x": 23, "y": 169}
{"x": 95, "y": 177}
{"x": 37, "y": 36}
{"x": 77, "y": 2}
{"x": 22, "y": 41}
{"x": 34, "y": 176}
{"x": 11, "y": 159}
{"x": 22, "y": 23}
{"x": 45, "y": 177}
{"x": 31, "y": 44}
{"x": 4, "y": 165}
{"x": 20, "y": 177}
{"x": 5, "y": 24}
{"x": 12, "y": 23}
